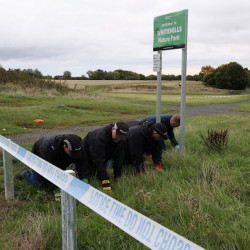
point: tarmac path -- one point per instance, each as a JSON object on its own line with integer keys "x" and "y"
{"x": 212, "y": 109}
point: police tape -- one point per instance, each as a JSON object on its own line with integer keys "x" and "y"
{"x": 145, "y": 230}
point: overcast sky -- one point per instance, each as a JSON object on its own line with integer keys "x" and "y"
{"x": 80, "y": 35}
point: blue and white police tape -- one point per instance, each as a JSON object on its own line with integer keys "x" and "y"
{"x": 145, "y": 230}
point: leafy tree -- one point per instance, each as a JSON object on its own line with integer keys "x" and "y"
{"x": 151, "y": 77}
{"x": 248, "y": 76}
{"x": 66, "y": 75}
{"x": 3, "y": 75}
{"x": 142, "y": 77}
{"x": 90, "y": 73}
{"x": 116, "y": 75}
{"x": 38, "y": 74}
{"x": 193, "y": 78}
{"x": 84, "y": 77}
{"x": 96, "y": 75}
{"x": 231, "y": 76}
{"x": 209, "y": 79}
{"x": 205, "y": 70}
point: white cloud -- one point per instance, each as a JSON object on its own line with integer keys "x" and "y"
{"x": 81, "y": 35}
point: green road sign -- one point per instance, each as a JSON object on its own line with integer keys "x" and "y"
{"x": 170, "y": 31}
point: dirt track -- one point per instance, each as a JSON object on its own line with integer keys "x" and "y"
{"x": 212, "y": 109}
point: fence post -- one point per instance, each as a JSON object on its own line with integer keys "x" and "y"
{"x": 69, "y": 225}
{"x": 8, "y": 175}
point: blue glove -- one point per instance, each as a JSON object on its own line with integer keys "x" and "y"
{"x": 177, "y": 147}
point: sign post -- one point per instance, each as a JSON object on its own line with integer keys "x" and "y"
{"x": 158, "y": 68}
{"x": 170, "y": 32}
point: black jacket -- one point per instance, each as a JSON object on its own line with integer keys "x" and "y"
{"x": 99, "y": 147}
{"x": 140, "y": 141}
{"x": 50, "y": 148}
{"x": 165, "y": 119}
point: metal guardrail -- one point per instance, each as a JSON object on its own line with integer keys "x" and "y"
{"x": 145, "y": 230}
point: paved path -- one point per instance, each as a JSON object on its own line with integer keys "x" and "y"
{"x": 211, "y": 109}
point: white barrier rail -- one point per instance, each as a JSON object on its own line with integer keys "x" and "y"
{"x": 145, "y": 230}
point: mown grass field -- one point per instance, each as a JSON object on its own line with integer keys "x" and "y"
{"x": 202, "y": 195}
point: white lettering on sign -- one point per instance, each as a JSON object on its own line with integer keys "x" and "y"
{"x": 169, "y": 31}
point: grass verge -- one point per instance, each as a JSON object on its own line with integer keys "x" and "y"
{"x": 203, "y": 196}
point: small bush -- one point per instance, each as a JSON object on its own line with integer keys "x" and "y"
{"x": 216, "y": 139}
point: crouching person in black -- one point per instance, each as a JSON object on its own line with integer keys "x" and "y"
{"x": 59, "y": 150}
{"x": 145, "y": 139}
{"x": 101, "y": 145}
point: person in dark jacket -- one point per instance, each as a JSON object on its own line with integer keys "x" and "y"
{"x": 143, "y": 139}
{"x": 59, "y": 150}
{"x": 170, "y": 122}
{"x": 101, "y": 145}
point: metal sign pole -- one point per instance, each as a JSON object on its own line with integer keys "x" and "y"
{"x": 69, "y": 221}
{"x": 183, "y": 100}
{"x": 158, "y": 105}
{"x": 183, "y": 91}
{"x": 8, "y": 175}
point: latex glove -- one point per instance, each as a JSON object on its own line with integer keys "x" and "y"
{"x": 106, "y": 185}
{"x": 177, "y": 147}
{"x": 85, "y": 180}
{"x": 158, "y": 166}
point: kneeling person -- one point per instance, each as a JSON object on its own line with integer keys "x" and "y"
{"x": 102, "y": 145}
{"x": 143, "y": 139}
{"x": 59, "y": 150}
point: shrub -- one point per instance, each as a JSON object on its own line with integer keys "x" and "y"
{"x": 231, "y": 76}
{"x": 216, "y": 139}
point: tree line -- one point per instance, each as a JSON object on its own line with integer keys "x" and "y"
{"x": 226, "y": 76}
{"x": 120, "y": 74}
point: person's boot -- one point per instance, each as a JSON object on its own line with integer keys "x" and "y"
{"x": 20, "y": 176}
{"x": 106, "y": 185}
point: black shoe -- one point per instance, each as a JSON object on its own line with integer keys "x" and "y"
{"x": 20, "y": 176}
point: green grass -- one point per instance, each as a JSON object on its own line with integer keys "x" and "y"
{"x": 94, "y": 106}
{"x": 174, "y": 99}
{"x": 202, "y": 195}
{"x": 243, "y": 107}
{"x": 63, "y": 111}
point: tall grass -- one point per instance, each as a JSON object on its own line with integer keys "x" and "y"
{"x": 202, "y": 195}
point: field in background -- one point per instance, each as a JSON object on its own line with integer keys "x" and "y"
{"x": 80, "y": 84}
{"x": 148, "y": 86}
{"x": 98, "y": 104}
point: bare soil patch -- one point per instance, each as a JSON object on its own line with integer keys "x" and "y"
{"x": 7, "y": 206}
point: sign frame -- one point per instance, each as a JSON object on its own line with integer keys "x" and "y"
{"x": 172, "y": 23}
{"x": 170, "y": 31}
